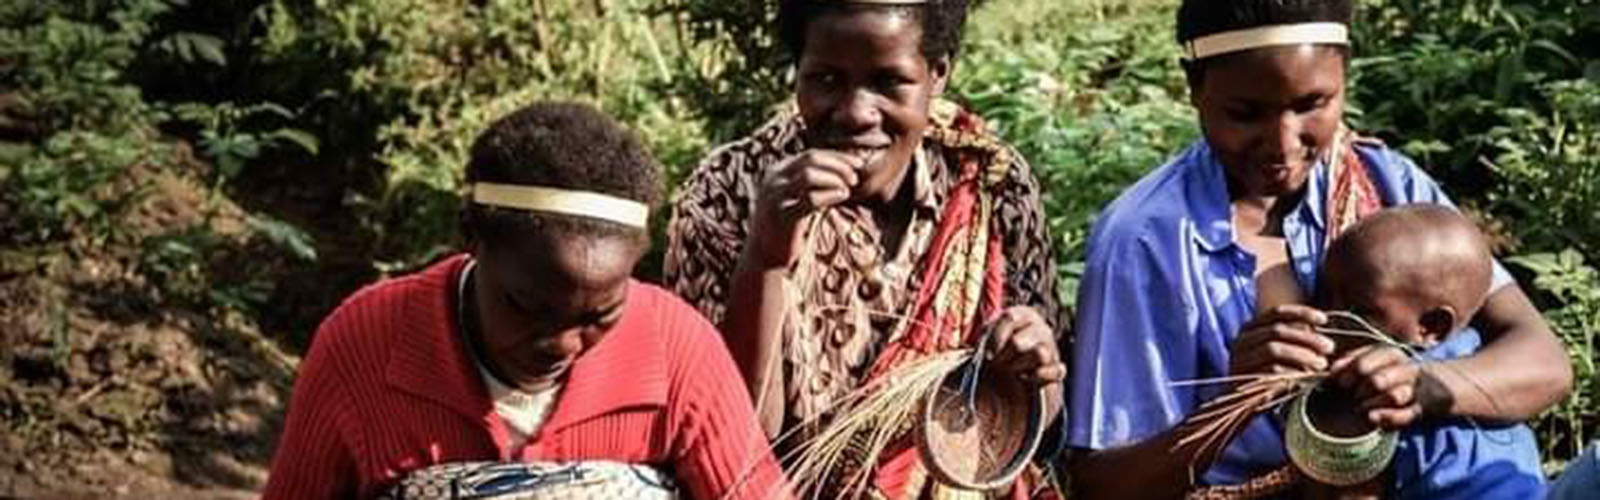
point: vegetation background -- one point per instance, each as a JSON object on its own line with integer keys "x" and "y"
{"x": 187, "y": 187}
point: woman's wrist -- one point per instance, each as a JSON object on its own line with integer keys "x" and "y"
{"x": 1434, "y": 395}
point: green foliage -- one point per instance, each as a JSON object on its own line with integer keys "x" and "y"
{"x": 83, "y": 126}
{"x": 1548, "y": 169}
{"x": 1092, "y": 104}
{"x": 70, "y": 56}
{"x": 1576, "y": 284}
{"x": 83, "y": 139}
{"x": 68, "y": 187}
{"x": 1436, "y": 74}
{"x": 731, "y": 67}
{"x": 435, "y": 73}
{"x": 230, "y": 139}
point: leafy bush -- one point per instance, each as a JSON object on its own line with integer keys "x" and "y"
{"x": 68, "y": 187}
{"x": 436, "y": 73}
{"x": 1501, "y": 100}
{"x": 731, "y": 68}
{"x": 1576, "y": 285}
{"x": 1548, "y": 169}
{"x": 76, "y": 126}
{"x": 1435, "y": 75}
{"x": 82, "y": 132}
{"x": 1092, "y": 104}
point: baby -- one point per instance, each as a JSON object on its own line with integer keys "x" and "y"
{"x": 1419, "y": 273}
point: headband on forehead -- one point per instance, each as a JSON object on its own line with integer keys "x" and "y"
{"x": 562, "y": 201}
{"x": 1266, "y": 36}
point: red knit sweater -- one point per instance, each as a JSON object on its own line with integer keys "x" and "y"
{"x": 388, "y": 388}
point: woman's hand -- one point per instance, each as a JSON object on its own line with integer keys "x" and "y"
{"x": 1021, "y": 342}
{"x": 1281, "y": 340}
{"x": 1394, "y": 390}
{"x": 790, "y": 190}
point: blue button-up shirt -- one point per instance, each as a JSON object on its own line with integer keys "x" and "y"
{"x": 1166, "y": 289}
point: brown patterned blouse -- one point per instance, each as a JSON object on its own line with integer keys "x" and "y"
{"x": 857, "y": 298}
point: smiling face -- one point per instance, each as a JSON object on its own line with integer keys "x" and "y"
{"x": 546, "y": 297}
{"x": 1268, "y": 112}
{"x": 864, "y": 88}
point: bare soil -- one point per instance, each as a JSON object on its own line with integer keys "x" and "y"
{"x": 111, "y": 387}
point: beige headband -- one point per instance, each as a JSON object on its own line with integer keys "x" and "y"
{"x": 562, "y": 201}
{"x": 1266, "y": 36}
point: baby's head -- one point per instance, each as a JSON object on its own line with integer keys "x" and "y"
{"x": 1418, "y": 271}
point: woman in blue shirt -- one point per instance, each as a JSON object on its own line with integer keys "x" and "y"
{"x": 1198, "y": 270}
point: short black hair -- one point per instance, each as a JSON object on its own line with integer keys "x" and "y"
{"x": 1198, "y": 18}
{"x": 942, "y": 22}
{"x": 559, "y": 145}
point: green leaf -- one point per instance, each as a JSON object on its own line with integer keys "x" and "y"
{"x": 1510, "y": 71}
{"x": 298, "y": 137}
{"x": 285, "y": 235}
{"x": 274, "y": 108}
{"x": 1556, "y": 50}
{"x": 190, "y": 47}
{"x": 1539, "y": 263}
{"x": 78, "y": 205}
{"x": 209, "y": 48}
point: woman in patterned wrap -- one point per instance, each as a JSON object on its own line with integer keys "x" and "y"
{"x": 868, "y": 225}
{"x": 531, "y": 366}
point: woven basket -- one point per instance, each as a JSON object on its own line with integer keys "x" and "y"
{"x": 984, "y": 449}
{"x": 1334, "y": 456}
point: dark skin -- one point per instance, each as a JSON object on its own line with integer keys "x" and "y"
{"x": 1417, "y": 272}
{"x": 1266, "y": 112}
{"x": 864, "y": 89}
{"x": 541, "y": 300}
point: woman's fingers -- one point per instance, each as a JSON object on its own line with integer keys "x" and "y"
{"x": 789, "y": 191}
{"x": 814, "y": 180}
{"x": 1288, "y": 313}
{"x": 1022, "y": 343}
{"x": 1385, "y": 380}
{"x": 1375, "y": 369}
{"x": 1277, "y": 347}
{"x": 1290, "y": 324}
{"x": 1399, "y": 396}
{"x": 1001, "y": 330}
{"x": 1278, "y": 357}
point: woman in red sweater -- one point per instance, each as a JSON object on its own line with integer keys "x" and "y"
{"x": 531, "y": 366}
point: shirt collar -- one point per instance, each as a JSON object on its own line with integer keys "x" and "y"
{"x": 1315, "y": 202}
{"x": 1207, "y": 193}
